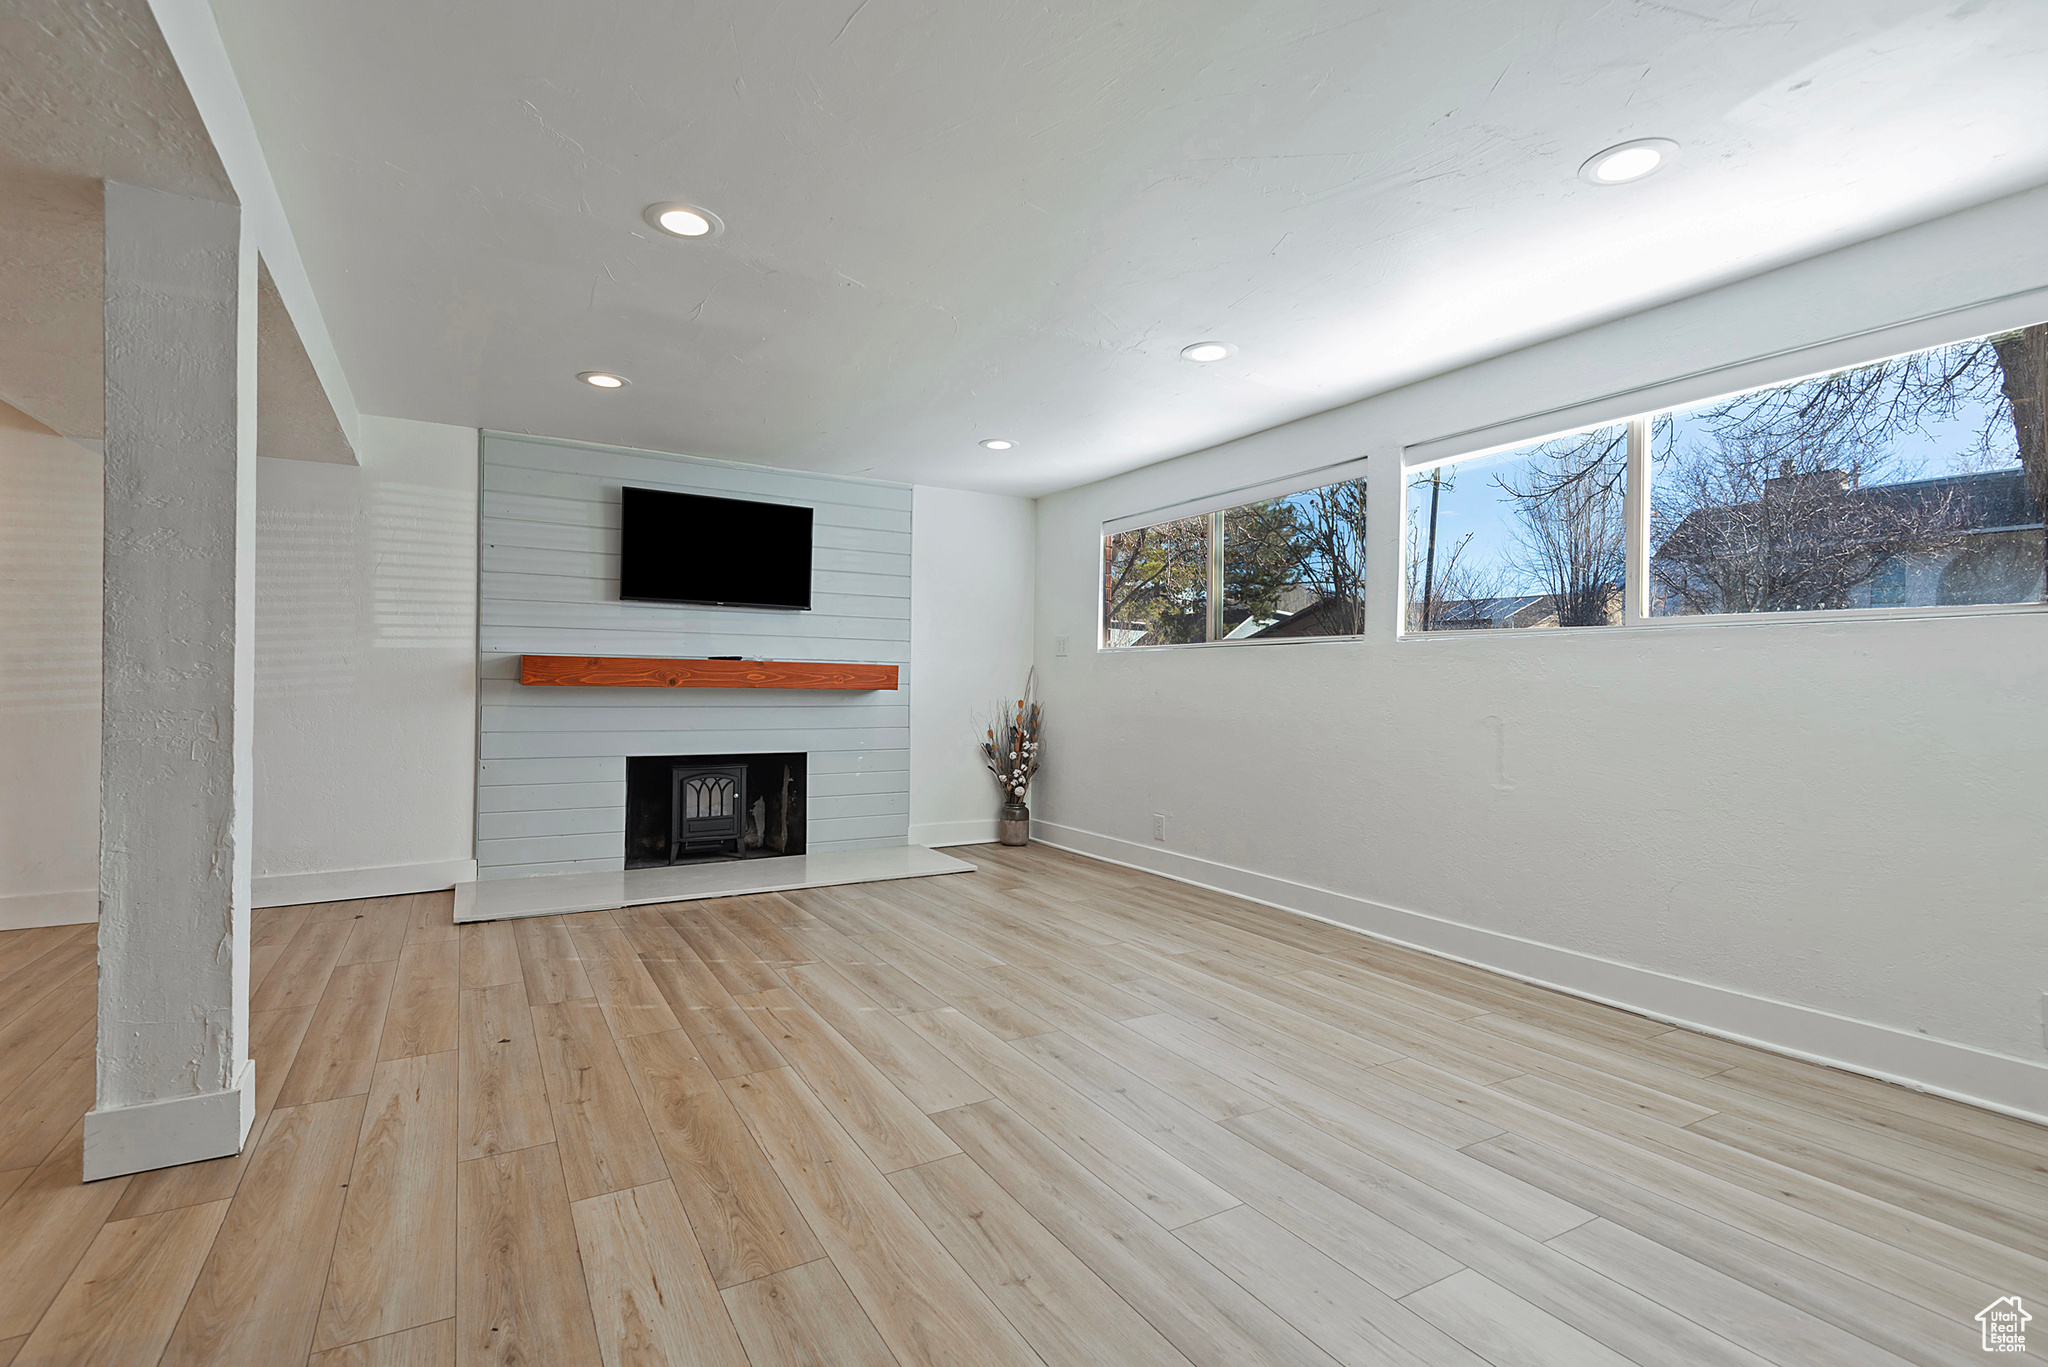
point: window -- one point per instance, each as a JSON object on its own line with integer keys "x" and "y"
{"x": 1155, "y": 585}
{"x": 1533, "y": 537}
{"x": 1276, "y": 569}
{"x": 1915, "y": 482}
{"x": 1888, "y": 586}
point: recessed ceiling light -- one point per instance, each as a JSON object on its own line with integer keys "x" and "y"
{"x": 1628, "y": 161}
{"x": 603, "y": 379}
{"x": 1207, "y": 351}
{"x": 998, "y": 444}
{"x": 684, "y": 220}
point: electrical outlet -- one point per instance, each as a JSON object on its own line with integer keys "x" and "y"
{"x": 1158, "y": 826}
{"x": 1059, "y": 645}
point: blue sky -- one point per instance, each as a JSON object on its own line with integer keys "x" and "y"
{"x": 1477, "y": 506}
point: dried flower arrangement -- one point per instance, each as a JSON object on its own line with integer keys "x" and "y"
{"x": 1010, "y": 745}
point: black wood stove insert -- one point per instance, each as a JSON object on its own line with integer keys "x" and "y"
{"x": 684, "y": 808}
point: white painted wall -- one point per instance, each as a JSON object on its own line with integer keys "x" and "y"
{"x": 971, "y": 586}
{"x": 1826, "y": 837}
{"x": 365, "y": 632}
{"x": 50, "y": 516}
{"x": 365, "y": 667}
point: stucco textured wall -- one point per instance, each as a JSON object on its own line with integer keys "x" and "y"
{"x": 179, "y": 597}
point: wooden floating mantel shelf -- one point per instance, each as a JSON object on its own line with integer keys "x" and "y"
{"x": 584, "y": 671}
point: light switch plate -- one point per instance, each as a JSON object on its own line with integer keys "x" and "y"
{"x": 1059, "y": 645}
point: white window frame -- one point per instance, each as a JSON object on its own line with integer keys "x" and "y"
{"x": 1635, "y": 531}
{"x": 1636, "y": 521}
{"x": 1215, "y": 507}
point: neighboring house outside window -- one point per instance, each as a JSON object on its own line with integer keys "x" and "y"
{"x": 1913, "y": 482}
{"x": 1820, "y": 541}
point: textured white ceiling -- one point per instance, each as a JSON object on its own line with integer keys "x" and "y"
{"x": 89, "y": 92}
{"x": 955, "y": 221}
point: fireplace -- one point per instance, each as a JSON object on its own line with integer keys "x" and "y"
{"x": 707, "y": 807}
{"x": 681, "y": 809}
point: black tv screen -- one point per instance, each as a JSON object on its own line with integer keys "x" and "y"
{"x": 728, "y": 552}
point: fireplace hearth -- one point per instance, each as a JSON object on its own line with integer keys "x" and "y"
{"x": 683, "y": 809}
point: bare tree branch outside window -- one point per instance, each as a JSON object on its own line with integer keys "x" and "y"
{"x": 1532, "y": 537}
{"x": 1571, "y": 534}
{"x": 1448, "y": 587}
{"x": 1823, "y": 494}
{"x": 1914, "y": 481}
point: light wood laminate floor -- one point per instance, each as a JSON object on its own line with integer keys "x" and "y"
{"x": 1053, "y": 1111}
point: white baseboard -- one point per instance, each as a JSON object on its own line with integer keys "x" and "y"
{"x": 20, "y": 910}
{"x": 345, "y": 885}
{"x": 163, "y": 1134}
{"x": 81, "y": 906}
{"x": 934, "y": 834}
{"x": 1997, "y": 1082}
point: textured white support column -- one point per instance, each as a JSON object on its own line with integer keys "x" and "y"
{"x": 175, "y": 1083}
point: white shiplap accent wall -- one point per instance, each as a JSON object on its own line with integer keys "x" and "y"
{"x": 551, "y": 762}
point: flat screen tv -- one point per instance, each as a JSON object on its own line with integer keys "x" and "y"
{"x": 726, "y": 552}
